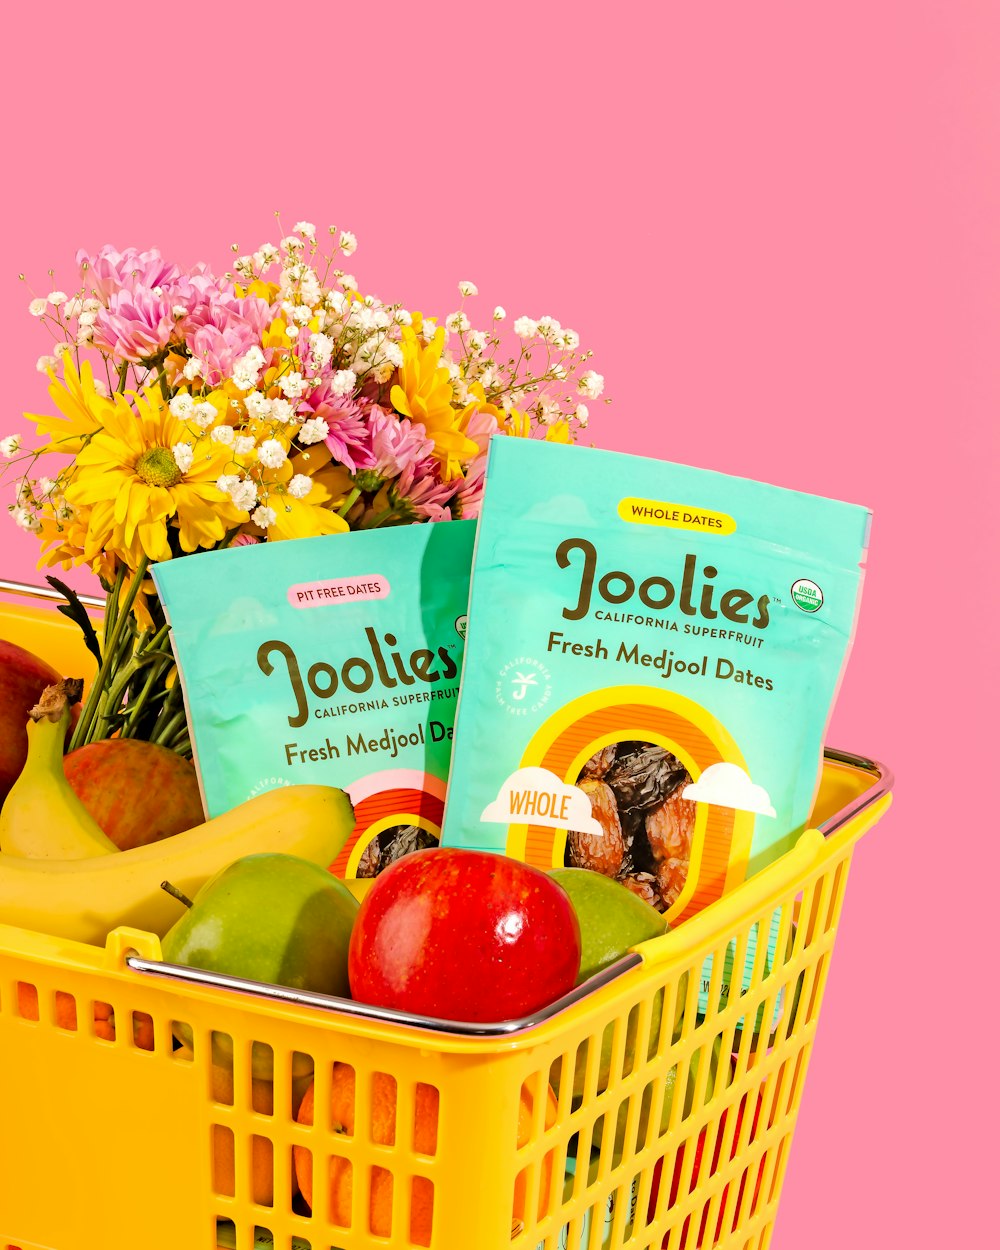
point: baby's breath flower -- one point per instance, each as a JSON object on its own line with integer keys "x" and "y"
{"x": 292, "y": 385}
{"x": 203, "y": 415}
{"x": 268, "y": 254}
{"x": 264, "y": 516}
{"x": 300, "y": 486}
{"x": 348, "y": 243}
{"x": 343, "y": 382}
{"x": 72, "y": 307}
{"x": 227, "y": 483}
{"x": 525, "y": 328}
{"x": 183, "y": 454}
{"x": 26, "y": 519}
{"x": 63, "y": 349}
{"x": 305, "y": 228}
{"x": 46, "y": 486}
{"x": 57, "y": 297}
{"x": 348, "y": 281}
{"x": 101, "y": 388}
{"x": 271, "y": 454}
{"x": 320, "y": 348}
{"x": 85, "y": 336}
{"x": 402, "y": 317}
{"x": 87, "y": 318}
{"x": 313, "y": 431}
{"x": 302, "y": 315}
{"x": 181, "y": 406}
{"x": 477, "y": 342}
{"x": 259, "y": 405}
{"x": 193, "y": 369}
{"x": 457, "y": 322}
{"x": 44, "y": 363}
{"x": 38, "y": 307}
{"x": 282, "y": 411}
{"x": 244, "y": 494}
{"x": 468, "y": 288}
{"x": 499, "y": 313}
{"x": 243, "y": 444}
{"x": 570, "y": 340}
{"x": 549, "y": 328}
{"x": 291, "y": 244}
{"x": 10, "y": 445}
{"x": 582, "y": 414}
{"x": 223, "y": 434}
{"x": 591, "y": 384}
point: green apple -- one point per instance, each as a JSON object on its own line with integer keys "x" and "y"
{"x": 269, "y": 917}
{"x": 612, "y": 921}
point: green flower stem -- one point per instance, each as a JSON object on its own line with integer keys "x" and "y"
{"x": 122, "y": 621}
{"x": 172, "y": 727}
{"x": 381, "y": 519}
{"x": 349, "y": 502}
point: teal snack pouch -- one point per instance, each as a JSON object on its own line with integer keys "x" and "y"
{"x": 331, "y": 660}
{"x": 652, "y": 659}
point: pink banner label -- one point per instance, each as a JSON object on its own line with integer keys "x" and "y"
{"x": 341, "y": 590}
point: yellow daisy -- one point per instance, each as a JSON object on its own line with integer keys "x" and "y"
{"x": 83, "y": 409}
{"x": 129, "y": 478}
{"x": 424, "y": 393}
{"x": 297, "y": 518}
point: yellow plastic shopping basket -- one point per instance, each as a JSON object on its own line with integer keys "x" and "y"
{"x": 619, "y": 1117}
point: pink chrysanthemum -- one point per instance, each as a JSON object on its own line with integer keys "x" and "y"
{"x": 396, "y": 443}
{"x": 221, "y": 327}
{"x": 110, "y": 270}
{"x": 347, "y": 438}
{"x": 480, "y": 427}
{"x": 422, "y": 495}
{"x": 136, "y": 324}
{"x": 468, "y": 500}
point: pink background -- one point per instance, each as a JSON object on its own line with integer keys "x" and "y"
{"x": 777, "y": 226}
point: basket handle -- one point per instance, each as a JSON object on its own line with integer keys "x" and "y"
{"x": 753, "y": 896}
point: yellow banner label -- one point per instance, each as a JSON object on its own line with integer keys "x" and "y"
{"x": 678, "y": 516}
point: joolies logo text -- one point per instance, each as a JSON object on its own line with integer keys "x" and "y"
{"x": 358, "y": 673}
{"x": 696, "y": 595}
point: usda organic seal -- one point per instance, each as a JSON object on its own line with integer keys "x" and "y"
{"x": 807, "y": 595}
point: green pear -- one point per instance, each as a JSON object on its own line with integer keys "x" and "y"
{"x": 612, "y": 920}
{"x": 269, "y": 917}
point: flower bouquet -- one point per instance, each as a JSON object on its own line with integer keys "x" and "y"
{"x": 196, "y": 411}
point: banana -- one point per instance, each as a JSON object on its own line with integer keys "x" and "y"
{"x": 84, "y": 899}
{"x": 41, "y": 817}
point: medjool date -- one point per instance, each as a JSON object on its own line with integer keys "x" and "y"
{"x": 392, "y": 844}
{"x": 600, "y": 761}
{"x": 603, "y": 852}
{"x": 644, "y": 775}
{"x": 669, "y": 829}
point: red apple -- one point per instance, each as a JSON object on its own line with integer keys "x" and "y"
{"x": 23, "y": 677}
{"x": 696, "y": 1169}
{"x": 138, "y": 792}
{"x": 464, "y": 935}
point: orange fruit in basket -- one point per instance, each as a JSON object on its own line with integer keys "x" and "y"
{"x": 524, "y": 1117}
{"x": 65, "y": 1016}
{"x": 383, "y": 1132}
{"x": 423, "y": 1141}
{"x": 224, "y": 1144}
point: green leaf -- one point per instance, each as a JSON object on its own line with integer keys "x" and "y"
{"x": 77, "y": 613}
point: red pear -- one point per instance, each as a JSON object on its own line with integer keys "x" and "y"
{"x": 138, "y": 792}
{"x": 23, "y": 677}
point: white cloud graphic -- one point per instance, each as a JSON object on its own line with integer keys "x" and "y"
{"x": 728, "y": 785}
{"x": 536, "y": 796}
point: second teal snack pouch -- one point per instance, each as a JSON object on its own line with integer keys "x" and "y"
{"x": 652, "y": 659}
